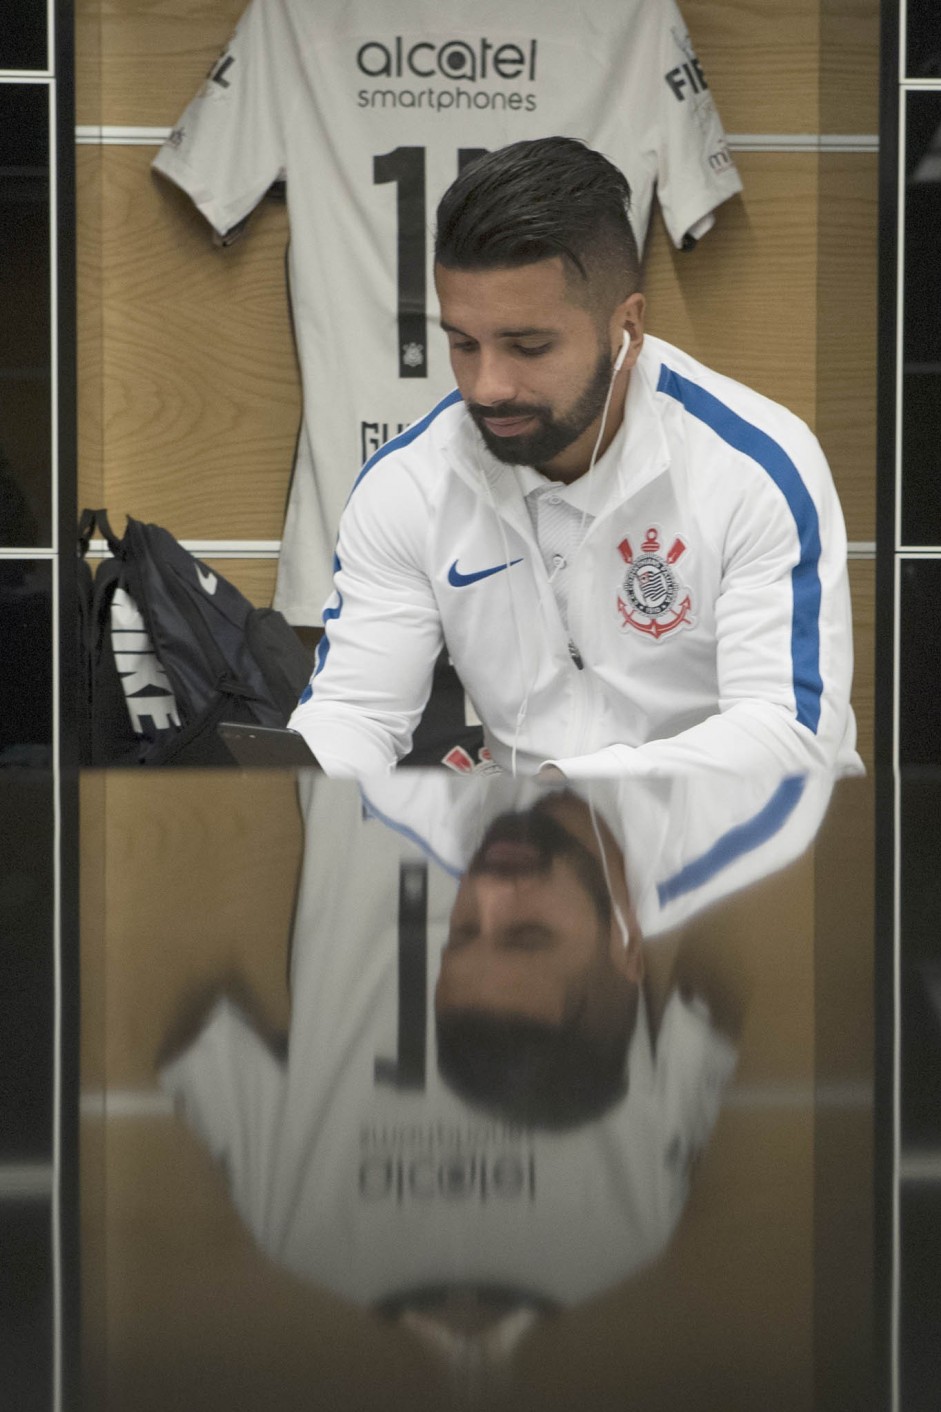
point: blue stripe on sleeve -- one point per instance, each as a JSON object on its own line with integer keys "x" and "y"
{"x": 411, "y": 835}
{"x": 805, "y": 576}
{"x": 404, "y": 438}
{"x": 323, "y": 646}
{"x": 744, "y": 838}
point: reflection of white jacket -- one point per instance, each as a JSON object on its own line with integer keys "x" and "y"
{"x": 688, "y": 841}
{"x": 708, "y": 602}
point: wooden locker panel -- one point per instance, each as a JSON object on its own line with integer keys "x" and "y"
{"x": 846, "y": 337}
{"x": 744, "y": 301}
{"x": 87, "y": 40}
{"x": 761, "y": 60}
{"x": 89, "y": 162}
{"x": 849, "y": 66}
{"x": 863, "y": 591}
{"x": 201, "y": 396}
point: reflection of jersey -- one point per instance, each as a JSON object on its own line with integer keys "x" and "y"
{"x": 369, "y": 1186}
{"x": 370, "y": 112}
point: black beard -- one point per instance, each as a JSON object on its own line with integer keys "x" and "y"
{"x": 539, "y": 447}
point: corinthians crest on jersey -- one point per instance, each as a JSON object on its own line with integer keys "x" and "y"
{"x": 652, "y": 599}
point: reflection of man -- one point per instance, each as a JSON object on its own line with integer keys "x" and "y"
{"x": 633, "y": 561}
{"x": 383, "y": 1191}
{"x": 374, "y": 1188}
{"x": 538, "y": 988}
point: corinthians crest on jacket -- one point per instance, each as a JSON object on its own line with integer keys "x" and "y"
{"x": 652, "y": 599}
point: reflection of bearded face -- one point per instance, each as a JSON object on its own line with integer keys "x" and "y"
{"x": 530, "y": 925}
{"x": 537, "y": 996}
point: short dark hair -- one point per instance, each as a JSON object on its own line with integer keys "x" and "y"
{"x": 536, "y": 200}
{"x": 532, "y": 1073}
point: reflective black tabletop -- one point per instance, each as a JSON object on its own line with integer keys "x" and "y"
{"x": 466, "y": 1092}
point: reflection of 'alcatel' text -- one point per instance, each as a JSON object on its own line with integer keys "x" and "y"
{"x": 454, "y": 1177}
{"x": 455, "y": 59}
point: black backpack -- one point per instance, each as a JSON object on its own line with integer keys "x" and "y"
{"x": 170, "y": 648}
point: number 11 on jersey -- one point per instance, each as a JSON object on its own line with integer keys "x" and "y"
{"x": 406, "y": 167}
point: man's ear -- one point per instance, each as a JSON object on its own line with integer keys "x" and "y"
{"x": 628, "y": 318}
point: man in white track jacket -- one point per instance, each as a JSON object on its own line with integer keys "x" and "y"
{"x": 633, "y": 561}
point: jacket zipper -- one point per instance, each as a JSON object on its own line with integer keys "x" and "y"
{"x": 582, "y": 690}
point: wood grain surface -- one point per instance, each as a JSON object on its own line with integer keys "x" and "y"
{"x": 846, "y": 331}
{"x": 744, "y": 300}
{"x": 863, "y": 591}
{"x": 849, "y": 66}
{"x": 89, "y": 164}
{"x": 199, "y": 1318}
{"x": 201, "y": 400}
{"x": 199, "y": 892}
{"x": 87, "y": 40}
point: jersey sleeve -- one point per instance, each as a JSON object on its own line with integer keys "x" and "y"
{"x": 695, "y": 170}
{"x": 229, "y": 1088}
{"x": 694, "y": 1064}
{"x": 229, "y": 145}
{"x": 728, "y": 832}
{"x": 382, "y": 633}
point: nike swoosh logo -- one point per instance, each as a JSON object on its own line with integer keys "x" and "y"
{"x": 207, "y": 578}
{"x": 458, "y": 580}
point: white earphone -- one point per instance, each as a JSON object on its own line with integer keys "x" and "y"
{"x": 618, "y": 914}
{"x": 625, "y": 349}
{"x": 524, "y": 704}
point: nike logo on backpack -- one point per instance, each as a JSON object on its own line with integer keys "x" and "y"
{"x": 207, "y": 578}
{"x": 458, "y": 580}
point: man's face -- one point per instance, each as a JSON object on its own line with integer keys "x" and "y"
{"x": 532, "y": 364}
{"x": 529, "y": 929}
